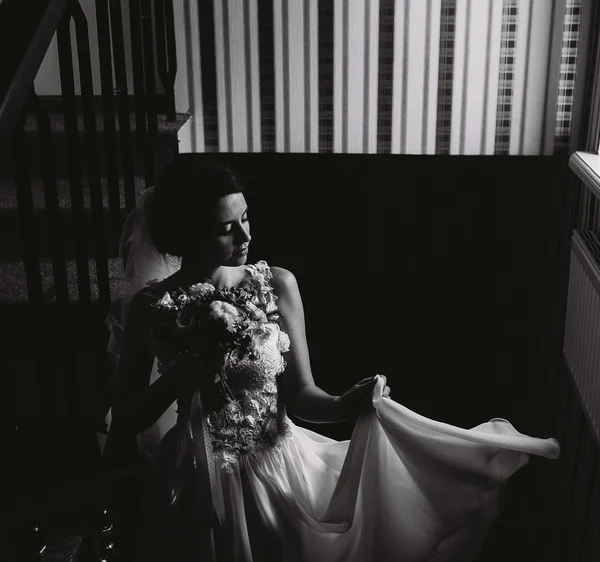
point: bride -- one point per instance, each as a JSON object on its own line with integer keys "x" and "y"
{"x": 211, "y": 360}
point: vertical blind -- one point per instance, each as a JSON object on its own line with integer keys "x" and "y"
{"x": 379, "y": 76}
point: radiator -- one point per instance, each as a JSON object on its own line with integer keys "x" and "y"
{"x": 581, "y": 347}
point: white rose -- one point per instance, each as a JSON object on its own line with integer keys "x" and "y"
{"x": 201, "y": 289}
{"x": 224, "y": 312}
{"x": 167, "y": 301}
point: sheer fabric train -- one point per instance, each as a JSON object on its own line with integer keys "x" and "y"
{"x": 404, "y": 488}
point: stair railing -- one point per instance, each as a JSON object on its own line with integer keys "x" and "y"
{"x": 65, "y": 319}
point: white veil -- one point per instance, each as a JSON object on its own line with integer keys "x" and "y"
{"x": 142, "y": 263}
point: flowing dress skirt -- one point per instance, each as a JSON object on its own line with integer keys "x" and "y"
{"x": 404, "y": 488}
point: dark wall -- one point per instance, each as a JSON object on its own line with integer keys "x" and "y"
{"x": 448, "y": 275}
{"x": 431, "y": 270}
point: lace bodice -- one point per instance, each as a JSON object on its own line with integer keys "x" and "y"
{"x": 252, "y": 417}
{"x": 245, "y": 415}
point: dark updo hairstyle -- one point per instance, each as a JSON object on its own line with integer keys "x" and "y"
{"x": 184, "y": 193}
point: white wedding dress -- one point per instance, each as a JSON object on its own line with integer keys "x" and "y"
{"x": 404, "y": 488}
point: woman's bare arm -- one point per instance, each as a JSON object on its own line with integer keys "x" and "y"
{"x": 303, "y": 397}
{"x": 140, "y": 404}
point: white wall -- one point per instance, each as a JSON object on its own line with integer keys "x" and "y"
{"x": 477, "y": 76}
{"x": 47, "y": 81}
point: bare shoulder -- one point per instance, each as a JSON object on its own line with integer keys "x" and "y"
{"x": 285, "y": 287}
{"x": 284, "y": 281}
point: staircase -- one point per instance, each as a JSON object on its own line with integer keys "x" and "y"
{"x": 55, "y": 485}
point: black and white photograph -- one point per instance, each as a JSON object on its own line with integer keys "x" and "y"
{"x": 300, "y": 280}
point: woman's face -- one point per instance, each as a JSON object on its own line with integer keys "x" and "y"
{"x": 229, "y": 237}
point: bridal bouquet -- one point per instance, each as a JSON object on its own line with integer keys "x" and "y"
{"x": 235, "y": 340}
{"x": 213, "y": 325}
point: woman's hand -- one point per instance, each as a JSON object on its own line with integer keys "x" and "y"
{"x": 352, "y": 401}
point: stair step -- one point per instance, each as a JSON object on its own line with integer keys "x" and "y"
{"x": 10, "y": 243}
{"x": 72, "y": 232}
{"x": 72, "y": 519}
{"x": 16, "y": 327}
{"x": 65, "y": 549}
{"x": 8, "y": 193}
{"x": 165, "y": 144}
{"x": 57, "y": 122}
{"x": 13, "y": 279}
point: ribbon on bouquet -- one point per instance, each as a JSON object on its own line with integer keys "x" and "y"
{"x": 193, "y": 439}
